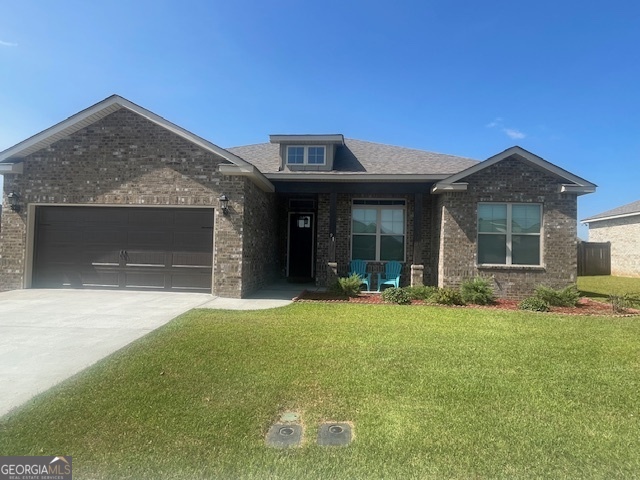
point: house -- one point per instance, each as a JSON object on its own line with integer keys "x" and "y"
{"x": 621, "y": 227}
{"x": 116, "y": 196}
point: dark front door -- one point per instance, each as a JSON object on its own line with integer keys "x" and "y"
{"x": 127, "y": 248}
{"x": 301, "y": 245}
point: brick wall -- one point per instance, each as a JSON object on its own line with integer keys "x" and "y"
{"x": 343, "y": 237}
{"x": 125, "y": 159}
{"x": 510, "y": 180}
{"x": 624, "y": 235}
{"x": 260, "y": 262}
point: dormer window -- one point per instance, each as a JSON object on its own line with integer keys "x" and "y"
{"x": 306, "y": 155}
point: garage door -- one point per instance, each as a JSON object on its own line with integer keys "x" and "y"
{"x": 127, "y": 248}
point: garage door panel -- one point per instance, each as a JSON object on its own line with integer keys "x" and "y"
{"x": 118, "y": 247}
{"x": 191, "y": 241}
{"x": 100, "y": 278}
{"x": 102, "y": 236}
{"x": 191, "y": 218}
{"x": 185, "y": 259}
{"x": 149, "y": 239}
{"x": 191, "y": 282}
{"x": 151, "y": 218}
{"x": 97, "y": 256}
{"x": 151, "y": 259}
{"x": 145, "y": 280}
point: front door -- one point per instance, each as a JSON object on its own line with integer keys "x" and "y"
{"x": 301, "y": 245}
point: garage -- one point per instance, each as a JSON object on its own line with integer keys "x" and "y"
{"x": 123, "y": 248}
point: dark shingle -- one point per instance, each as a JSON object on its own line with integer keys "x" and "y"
{"x": 628, "y": 209}
{"x": 357, "y": 156}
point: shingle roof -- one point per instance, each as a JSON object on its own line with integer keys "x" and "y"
{"x": 629, "y": 209}
{"x": 360, "y": 157}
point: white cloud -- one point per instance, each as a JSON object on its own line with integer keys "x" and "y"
{"x": 7, "y": 44}
{"x": 513, "y": 133}
{"x": 497, "y": 122}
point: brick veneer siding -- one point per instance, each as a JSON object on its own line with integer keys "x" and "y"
{"x": 510, "y": 180}
{"x": 624, "y": 235}
{"x": 260, "y": 263}
{"x": 125, "y": 159}
{"x": 343, "y": 237}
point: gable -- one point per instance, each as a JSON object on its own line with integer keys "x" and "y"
{"x": 11, "y": 158}
{"x": 567, "y": 182}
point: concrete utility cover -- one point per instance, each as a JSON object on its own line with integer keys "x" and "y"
{"x": 289, "y": 417}
{"x": 334, "y": 434}
{"x": 282, "y": 435}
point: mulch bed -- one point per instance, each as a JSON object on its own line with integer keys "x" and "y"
{"x": 586, "y": 306}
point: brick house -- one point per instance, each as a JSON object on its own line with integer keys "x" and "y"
{"x": 118, "y": 197}
{"x": 621, "y": 227}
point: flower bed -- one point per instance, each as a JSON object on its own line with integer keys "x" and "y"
{"x": 586, "y": 306}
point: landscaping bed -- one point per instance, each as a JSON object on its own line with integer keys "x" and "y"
{"x": 586, "y": 306}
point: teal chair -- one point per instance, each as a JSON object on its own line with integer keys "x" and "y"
{"x": 391, "y": 275}
{"x": 359, "y": 267}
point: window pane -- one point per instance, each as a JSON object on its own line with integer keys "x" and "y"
{"x": 492, "y": 249}
{"x": 392, "y": 247}
{"x": 364, "y": 247}
{"x": 392, "y": 221}
{"x": 492, "y": 218}
{"x": 295, "y": 154}
{"x": 525, "y": 250}
{"x": 316, "y": 155}
{"x": 363, "y": 221}
{"x": 525, "y": 218}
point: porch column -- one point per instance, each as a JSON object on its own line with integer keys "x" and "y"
{"x": 417, "y": 267}
{"x": 333, "y": 221}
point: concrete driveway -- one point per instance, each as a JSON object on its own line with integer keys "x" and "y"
{"x": 47, "y": 336}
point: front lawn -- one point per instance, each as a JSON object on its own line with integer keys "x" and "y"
{"x": 600, "y": 287}
{"x": 432, "y": 392}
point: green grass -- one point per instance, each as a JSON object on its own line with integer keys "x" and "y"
{"x": 433, "y": 392}
{"x": 600, "y": 287}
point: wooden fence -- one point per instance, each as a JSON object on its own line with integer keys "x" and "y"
{"x": 594, "y": 258}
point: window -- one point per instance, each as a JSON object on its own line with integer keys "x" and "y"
{"x": 509, "y": 234}
{"x": 303, "y": 155}
{"x": 378, "y": 230}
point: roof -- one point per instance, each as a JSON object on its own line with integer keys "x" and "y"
{"x": 88, "y": 116}
{"x": 628, "y": 210}
{"x": 573, "y": 183}
{"x": 357, "y": 158}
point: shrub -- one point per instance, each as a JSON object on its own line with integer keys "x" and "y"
{"x": 565, "y": 297}
{"x": 477, "y": 291}
{"x": 396, "y": 295}
{"x": 620, "y": 302}
{"x": 347, "y": 286}
{"x": 421, "y": 292}
{"x": 447, "y": 296}
{"x": 534, "y": 304}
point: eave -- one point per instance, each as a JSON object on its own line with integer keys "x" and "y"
{"x": 85, "y": 118}
{"x": 575, "y": 184}
{"x": 612, "y": 217}
{"x": 353, "y": 177}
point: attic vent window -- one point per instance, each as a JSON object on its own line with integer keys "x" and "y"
{"x": 306, "y": 155}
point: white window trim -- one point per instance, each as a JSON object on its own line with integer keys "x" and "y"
{"x": 306, "y": 148}
{"x": 509, "y": 235}
{"x": 379, "y": 234}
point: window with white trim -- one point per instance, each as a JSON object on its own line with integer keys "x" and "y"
{"x": 378, "y": 230}
{"x": 306, "y": 155}
{"x": 509, "y": 233}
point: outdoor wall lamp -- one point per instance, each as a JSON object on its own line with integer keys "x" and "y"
{"x": 224, "y": 203}
{"x": 14, "y": 201}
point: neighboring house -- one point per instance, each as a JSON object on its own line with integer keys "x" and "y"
{"x": 118, "y": 197}
{"x": 620, "y": 227}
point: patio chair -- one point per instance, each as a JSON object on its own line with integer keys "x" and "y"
{"x": 391, "y": 275}
{"x": 359, "y": 267}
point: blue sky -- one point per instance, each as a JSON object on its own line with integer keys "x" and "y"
{"x": 559, "y": 78}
